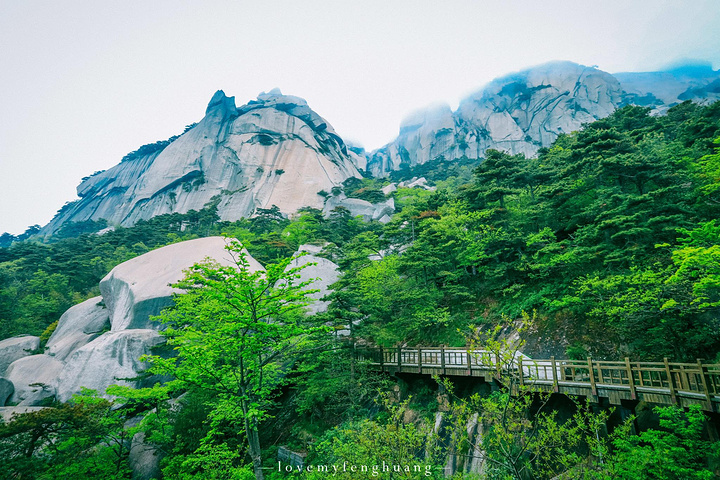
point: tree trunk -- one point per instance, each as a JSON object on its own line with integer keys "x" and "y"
{"x": 253, "y": 440}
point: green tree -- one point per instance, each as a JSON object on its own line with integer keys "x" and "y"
{"x": 84, "y": 438}
{"x": 675, "y": 451}
{"x": 235, "y": 332}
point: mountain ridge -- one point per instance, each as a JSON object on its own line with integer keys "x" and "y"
{"x": 275, "y": 150}
{"x": 525, "y": 110}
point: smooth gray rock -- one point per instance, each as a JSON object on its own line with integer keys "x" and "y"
{"x": 6, "y": 390}
{"x": 272, "y": 151}
{"x": 35, "y": 379}
{"x": 14, "y": 348}
{"x": 144, "y": 458}
{"x": 78, "y": 326}
{"x": 388, "y": 189}
{"x": 523, "y": 111}
{"x": 324, "y": 273}
{"x": 139, "y": 288}
{"x": 363, "y": 208}
{"x": 104, "y": 361}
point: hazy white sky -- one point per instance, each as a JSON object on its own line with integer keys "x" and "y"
{"x": 84, "y": 82}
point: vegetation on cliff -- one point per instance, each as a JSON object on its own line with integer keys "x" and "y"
{"x": 610, "y": 236}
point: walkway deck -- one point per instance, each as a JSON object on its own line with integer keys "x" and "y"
{"x": 663, "y": 383}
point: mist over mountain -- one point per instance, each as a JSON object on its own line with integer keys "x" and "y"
{"x": 276, "y": 150}
{"x": 523, "y": 111}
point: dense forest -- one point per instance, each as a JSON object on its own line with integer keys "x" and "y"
{"x": 608, "y": 240}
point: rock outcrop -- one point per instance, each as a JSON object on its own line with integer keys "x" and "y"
{"x": 99, "y": 342}
{"x": 109, "y": 359}
{"x": 323, "y": 273}
{"x": 14, "y": 348}
{"x": 144, "y": 458}
{"x": 140, "y": 287}
{"x": 272, "y": 151}
{"x": 6, "y": 390}
{"x": 35, "y": 379}
{"x": 660, "y": 90}
{"x": 77, "y": 327}
{"x": 361, "y": 208}
{"x": 524, "y": 111}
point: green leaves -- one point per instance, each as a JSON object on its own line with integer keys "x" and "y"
{"x": 235, "y": 332}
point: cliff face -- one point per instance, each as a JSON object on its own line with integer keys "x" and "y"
{"x": 522, "y": 112}
{"x": 273, "y": 151}
{"x": 277, "y": 151}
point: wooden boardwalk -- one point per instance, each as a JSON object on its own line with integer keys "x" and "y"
{"x": 663, "y": 383}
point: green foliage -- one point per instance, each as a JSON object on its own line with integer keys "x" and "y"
{"x": 677, "y": 450}
{"x": 82, "y": 439}
{"x": 234, "y": 330}
{"x": 377, "y": 443}
{"x": 364, "y": 189}
{"x": 609, "y": 235}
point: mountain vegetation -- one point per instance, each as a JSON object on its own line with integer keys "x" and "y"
{"x": 609, "y": 236}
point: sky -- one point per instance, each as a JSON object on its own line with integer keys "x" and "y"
{"x": 82, "y": 83}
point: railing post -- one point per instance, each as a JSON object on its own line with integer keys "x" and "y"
{"x": 442, "y": 359}
{"x": 554, "y": 374}
{"x": 640, "y": 375}
{"x": 671, "y": 382}
{"x": 382, "y": 360}
{"x": 706, "y": 391}
{"x": 520, "y": 370}
{"x": 593, "y": 386}
{"x": 631, "y": 379}
{"x": 399, "y": 358}
{"x": 419, "y": 360}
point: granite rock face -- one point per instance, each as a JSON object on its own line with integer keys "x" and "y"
{"x": 272, "y": 151}
{"x": 140, "y": 287}
{"x": 14, "y": 348}
{"x": 78, "y": 326}
{"x": 105, "y": 361}
{"x": 6, "y": 390}
{"x": 660, "y": 90}
{"x": 35, "y": 379}
{"x": 323, "y": 273}
{"x": 521, "y": 112}
{"x": 99, "y": 342}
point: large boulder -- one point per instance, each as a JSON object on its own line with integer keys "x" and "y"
{"x": 78, "y": 326}
{"x": 358, "y": 207}
{"x": 139, "y": 288}
{"x": 323, "y": 273}
{"x": 105, "y": 361}
{"x": 6, "y": 390}
{"x": 14, "y": 348}
{"x": 34, "y": 378}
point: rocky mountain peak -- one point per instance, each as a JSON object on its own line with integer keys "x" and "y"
{"x": 220, "y": 101}
{"x": 526, "y": 110}
{"x": 271, "y": 151}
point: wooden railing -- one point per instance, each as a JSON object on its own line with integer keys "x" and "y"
{"x": 655, "y": 382}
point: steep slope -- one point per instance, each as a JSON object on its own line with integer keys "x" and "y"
{"x": 273, "y": 151}
{"x": 524, "y": 111}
